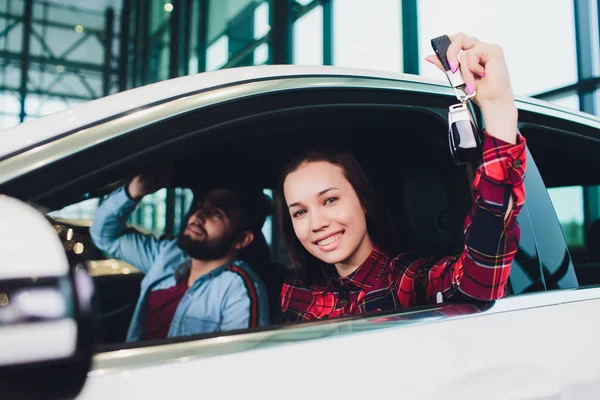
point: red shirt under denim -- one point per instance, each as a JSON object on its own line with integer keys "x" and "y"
{"x": 162, "y": 305}
{"x": 480, "y": 272}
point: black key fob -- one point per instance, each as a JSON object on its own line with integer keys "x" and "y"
{"x": 464, "y": 137}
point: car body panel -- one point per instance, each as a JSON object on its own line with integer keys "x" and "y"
{"x": 495, "y": 353}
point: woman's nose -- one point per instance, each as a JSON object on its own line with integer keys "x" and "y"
{"x": 319, "y": 220}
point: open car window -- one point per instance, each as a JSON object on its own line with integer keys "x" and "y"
{"x": 400, "y": 141}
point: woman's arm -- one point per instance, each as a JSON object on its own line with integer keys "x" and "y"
{"x": 482, "y": 270}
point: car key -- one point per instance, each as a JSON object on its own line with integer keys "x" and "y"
{"x": 464, "y": 139}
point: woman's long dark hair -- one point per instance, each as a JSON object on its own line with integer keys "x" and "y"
{"x": 379, "y": 225}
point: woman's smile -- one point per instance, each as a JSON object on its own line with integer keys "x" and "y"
{"x": 331, "y": 242}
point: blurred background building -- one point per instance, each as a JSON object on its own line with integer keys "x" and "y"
{"x": 57, "y": 53}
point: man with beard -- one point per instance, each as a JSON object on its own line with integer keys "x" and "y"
{"x": 196, "y": 283}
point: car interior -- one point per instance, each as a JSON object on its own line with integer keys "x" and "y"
{"x": 404, "y": 151}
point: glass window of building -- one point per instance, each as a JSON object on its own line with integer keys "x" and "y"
{"x": 367, "y": 36}
{"x": 308, "y": 38}
{"x": 568, "y": 203}
{"x": 570, "y": 101}
{"x": 526, "y": 33}
{"x": 234, "y": 30}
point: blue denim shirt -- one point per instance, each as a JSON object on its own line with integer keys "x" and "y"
{"x": 217, "y": 301}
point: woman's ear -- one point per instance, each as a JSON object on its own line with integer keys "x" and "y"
{"x": 246, "y": 238}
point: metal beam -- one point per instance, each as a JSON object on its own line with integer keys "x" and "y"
{"x": 587, "y": 50}
{"x": 124, "y": 45}
{"x": 202, "y": 35}
{"x": 179, "y": 35}
{"x": 25, "y": 55}
{"x": 410, "y": 37}
{"x": 108, "y": 42}
{"x": 41, "y": 92}
{"x": 9, "y": 28}
{"x": 74, "y": 46}
{"x": 243, "y": 54}
{"x": 144, "y": 32}
{"x": 282, "y": 31}
{"x": 299, "y": 11}
{"x": 328, "y": 32}
{"x": 52, "y": 24}
{"x": 72, "y": 65}
{"x": 585, "y": 85}
{"x": 38, "y": 63}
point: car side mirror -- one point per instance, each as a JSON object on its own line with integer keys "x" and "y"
{"x": 46, "y": 332}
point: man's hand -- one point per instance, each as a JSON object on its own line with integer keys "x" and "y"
{"x": 148, "y": 183}
{"x": 484, "y": 70}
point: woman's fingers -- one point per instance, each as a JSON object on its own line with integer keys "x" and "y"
{"x": 470, "y": 69}
{"x": 473, "y": 60}
{"x": 459, "y": 42}
{"x": 467, "y": 74}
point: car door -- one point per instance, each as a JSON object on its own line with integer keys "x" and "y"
{"x": 514, "y": 348}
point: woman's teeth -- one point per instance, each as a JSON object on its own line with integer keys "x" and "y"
{"x": 330, "y": 239}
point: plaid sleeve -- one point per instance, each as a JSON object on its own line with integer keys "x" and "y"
{"x": 481, "y": 271}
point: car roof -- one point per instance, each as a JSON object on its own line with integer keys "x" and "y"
{"x": 42, "y": 129}
{"x": 33, "y": 132}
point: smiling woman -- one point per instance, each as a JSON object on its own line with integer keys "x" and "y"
{"x": 337, "y": 237}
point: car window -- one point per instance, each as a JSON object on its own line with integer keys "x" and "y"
{"x": 262, "y": 144}
{"x": 578, "y": 211}
{"x": 568, "y": 203}
{"x": 568, "y": 163}
{"x": 149, "y": 216}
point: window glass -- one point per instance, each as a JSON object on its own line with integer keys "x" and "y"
{"x": 82, "y": 211}
{"x": 571, "y": 102}
{"x": 568, "y": 203}
{"x": 261, "y": 28}
{"x": 217, "y": 54}
{"x": 524, "y": 31}
{"x": 10, "y": 103}
{"x": 366, "y": 36}
{"x": 261, "y": 20}
{"x": 8, "y": 121}
{"x": 10, "y": 107}
{"x": 308, "y": 38}
{"x": 220, "y": 13}
{"x": 553, "y": 252}
{"x": 261, "y": 54}
{"x": 149, "y": 216}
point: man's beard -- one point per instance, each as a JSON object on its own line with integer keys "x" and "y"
{"x": 205, "y": 250}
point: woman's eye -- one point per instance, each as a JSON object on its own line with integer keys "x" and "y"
{"x": 330, "y": 200}
{"x": 298, "y": 213}
{"x": 219, "y": 214}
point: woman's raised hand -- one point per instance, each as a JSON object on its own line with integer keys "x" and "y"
{"x": 484, "y": 70}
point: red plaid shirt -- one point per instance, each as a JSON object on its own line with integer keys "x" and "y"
{"x": 481, "y": 272}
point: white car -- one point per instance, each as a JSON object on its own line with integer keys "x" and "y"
{"x": 59, "y": 339}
